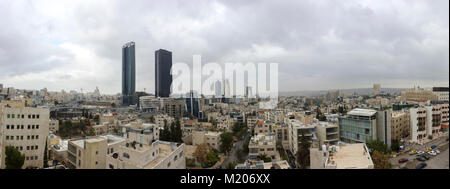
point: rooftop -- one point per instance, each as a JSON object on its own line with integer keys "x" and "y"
{"x": 362, "y": 112}
{"x": 351, "y": 156}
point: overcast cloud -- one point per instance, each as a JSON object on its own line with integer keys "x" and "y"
{"x": 318, "y": 44}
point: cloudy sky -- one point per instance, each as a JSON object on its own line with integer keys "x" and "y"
{"x": 318, "y": 44}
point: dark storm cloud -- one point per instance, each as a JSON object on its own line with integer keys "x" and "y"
{"x": 318, "y": 44}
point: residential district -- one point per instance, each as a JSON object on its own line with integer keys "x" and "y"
{"x": 398, "y": 129}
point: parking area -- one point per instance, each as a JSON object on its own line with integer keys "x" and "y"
{"x": 440, "y": 161}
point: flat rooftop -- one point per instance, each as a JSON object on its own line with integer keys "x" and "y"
{"x": 351, "y": 156}
{"x": 362, "y": 112}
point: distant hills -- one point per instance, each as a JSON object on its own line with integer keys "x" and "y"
{"x": 359, "y": 91}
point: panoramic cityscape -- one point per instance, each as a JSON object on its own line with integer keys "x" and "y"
{"x": 85, "y": 93}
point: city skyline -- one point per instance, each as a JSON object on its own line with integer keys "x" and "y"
{"x": 356, "y": 44}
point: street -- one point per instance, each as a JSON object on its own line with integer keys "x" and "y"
{"x": 232, "y": 156}
{"x": 440, "y": 161}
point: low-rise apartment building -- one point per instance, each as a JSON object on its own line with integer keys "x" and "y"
{"x": 91, "y": 153}
{"x": 158, "y": 155}
{"x": 209, "y": 138}
{"x": 327, "y": 133}
{"x": 263, "y": 144}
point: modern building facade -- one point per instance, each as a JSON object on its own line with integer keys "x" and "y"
{"x": 358, "y": 126}
{"x": 163, "y": 77}
{"x": 128, "y": 74}
{"x": 192, "y": 103}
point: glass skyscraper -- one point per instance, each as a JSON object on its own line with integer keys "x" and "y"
{"x": 128, "y": 74}
{"x": 163, "y": 78}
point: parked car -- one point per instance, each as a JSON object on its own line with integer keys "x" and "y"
{"x": 421, "y": 166}
{"x": 433, "y": 146}
{"x": 420, "y": 152}
{"x": 426, "y": 157}
{"x": 433, "y": 153}
{"x": 437, "y": 151}
{"x": 421, "y": 158}
{"x": 403, "y": 160}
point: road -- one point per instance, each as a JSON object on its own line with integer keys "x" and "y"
{"x": 441, "y": 161}
{"x": 232, "y": 155}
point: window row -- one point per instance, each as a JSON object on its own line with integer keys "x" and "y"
{"x": 20, "y": 148}
{"x": 31, "y": 158}
{"x": 22, "y": 127}
{"x": 29, "y": 137}
{"x": 22, "y": 116}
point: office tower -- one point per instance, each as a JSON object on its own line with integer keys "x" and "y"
{"x": 128, "y": 74}
{"x": 218, "y": 89}
{"x": 163, "y": 77}
{"x": 192, "y": 103}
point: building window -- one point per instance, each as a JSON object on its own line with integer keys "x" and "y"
{"x": 33, "y": 116}
{"x": 21, "y": 127}
{"x": 111, "y": 166}
{"x": 9, "y": 116}
{"x": 12, "y": 115}
{"x": 28, "y": 147}
{"x": 29, "y": 116}
{"x": 37, "y": 136}
{"x": 29, "y": 126}
{"x": 12, "y": 126}
{"x": 37, "y": 116}
{"x": 7, "y": 126}
{"x": 37, "y": 126}
{"x": 28, "y": 137}
{"x": 7, "y": 137}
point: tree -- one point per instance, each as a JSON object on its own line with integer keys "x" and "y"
{"x": 395, "y": 146}
{"x": 236, "y": 128}
{"x": 45, "y": 155}
{"x": 265, "y": 158}
{"x": 200, "y": 153}
{"x": 164, "y": 134}
{"x": 14, "y": 159}
{"x": 380, "y": 160}
{"x": 91, "y": 131}
{"x": 303, "y": 151}
{"x": 226, "y": 140}
{"x": 97, "y": 119}
{"x": 211, "y": 158}
{"x": 231, "y": 166}
{"x": 152, "y": 119}
{"x": 378, "y": 146}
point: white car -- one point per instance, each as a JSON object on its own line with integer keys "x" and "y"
{"x": 420, "y": 152}
{"x": 433, "y": 153}
{"x": 437, "y": 151}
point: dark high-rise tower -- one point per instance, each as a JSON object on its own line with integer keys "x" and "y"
{"x": 128, "y": 74}
{"x": 163, "y": 78}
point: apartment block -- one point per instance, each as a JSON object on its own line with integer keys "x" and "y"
{"x": 327, "y": 133}
{"x": 296, "y": 130}
{"x": 209, "y": 138}
{"x": 158, "y": 155}
{"x": 91, "y": 153}
{"x": 26, "y": 129}
{"x": 144, "y": 133}
{"x": 262, "y": 144}
{"x": 400, "y": 125}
